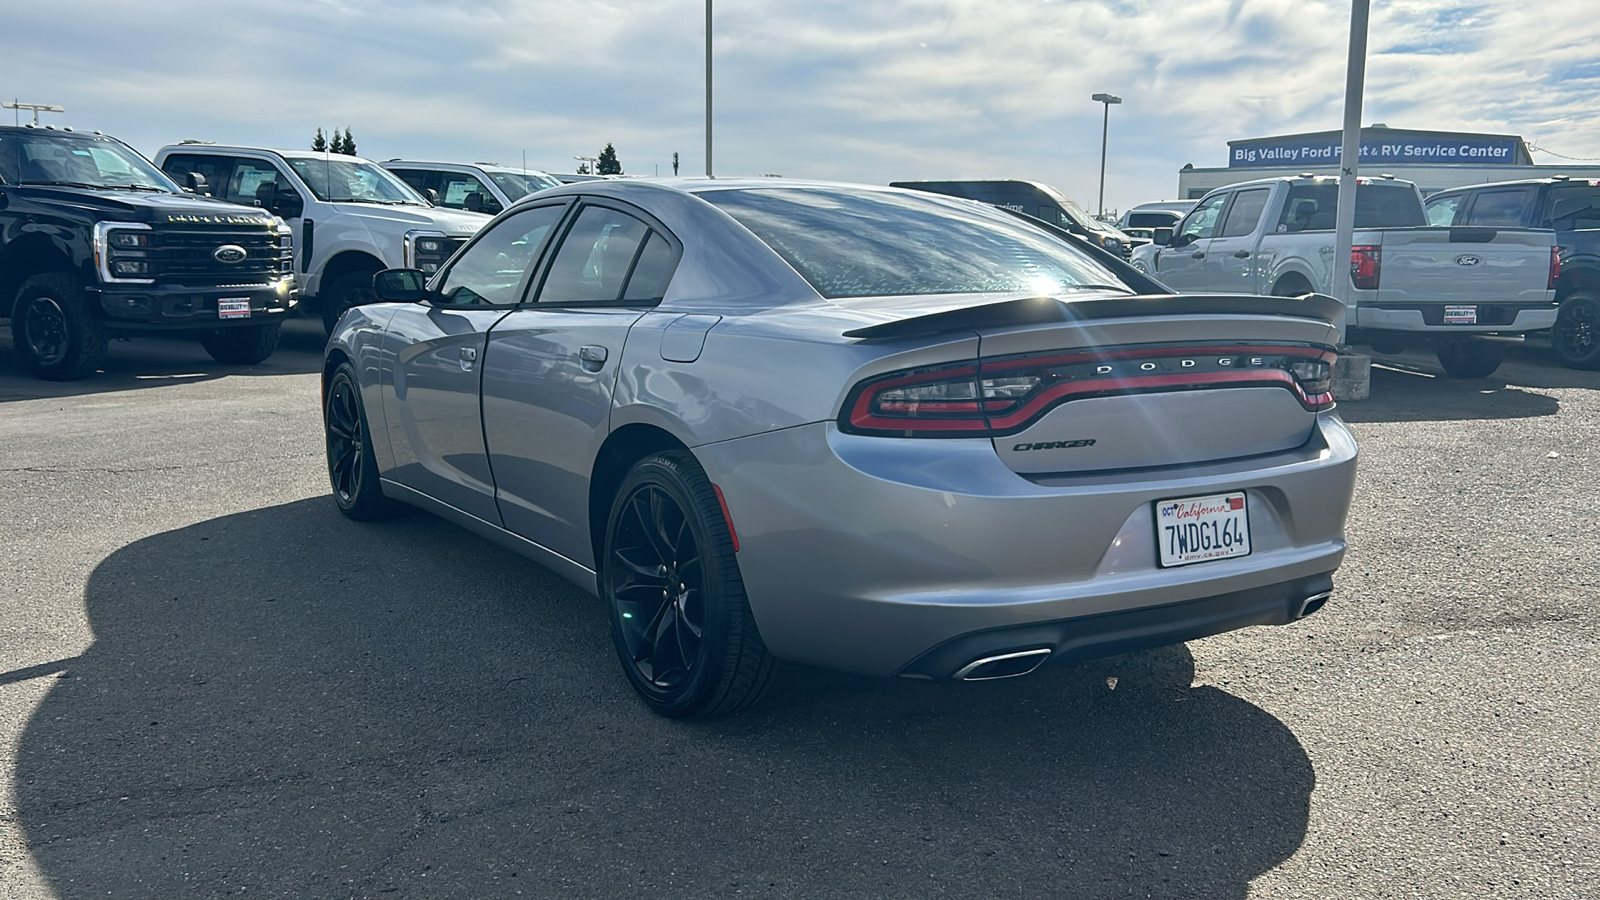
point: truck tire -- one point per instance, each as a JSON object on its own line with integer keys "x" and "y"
{"x": 243, "y": 345}
{"x": 1291, "y": 286}
{"x": 1471, "y": 359}
{"x": 57, "y": 329}
{"x": 1575, "y": 339}
{"x": 350, "y": 290}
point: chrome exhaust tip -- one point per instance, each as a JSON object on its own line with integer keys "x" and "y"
{"x": 1313, "y": 603}
{"x": 1006, "y": 665}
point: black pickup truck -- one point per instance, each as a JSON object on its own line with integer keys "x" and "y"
{"x": 96, "y": 242}
{"x": 1571, "y": 207}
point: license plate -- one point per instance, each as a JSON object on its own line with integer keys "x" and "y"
{"x": 1461, "y": 315}
{"x": 233, "y": 308}
{"x": 1200, "y": 529}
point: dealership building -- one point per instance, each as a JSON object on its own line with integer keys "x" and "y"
{"x": 1433, "y": 160}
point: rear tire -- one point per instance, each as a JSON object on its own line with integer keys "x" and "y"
{"x": 1291, "y": 286}
{"x": 352, "y": 467}
{"x": 350, "y": 290}
{"x": 57, "y": 330}
{"x": 680, "y": 622}
{"x": 1471, "y": 359}
{"x": 243, "y": 345}
{"x": 1575, "y": 339}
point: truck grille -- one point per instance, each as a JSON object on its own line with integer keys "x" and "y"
{"x": 188, "y": 256}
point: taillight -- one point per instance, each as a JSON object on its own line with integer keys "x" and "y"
{"x": 1555, "y": 268}
{"x": 1366, "y": 264}
{"x": 1006, "y": 395}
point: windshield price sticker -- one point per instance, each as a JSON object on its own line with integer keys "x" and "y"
{"x": 1461, "y": 315}
{"x": 1200, "y": 529}
{"x": 233, "y": 308}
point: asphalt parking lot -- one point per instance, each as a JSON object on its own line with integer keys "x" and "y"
{"x": 212, "y": 684}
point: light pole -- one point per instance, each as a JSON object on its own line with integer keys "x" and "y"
{"x": 1105, "y": 124}
{"x": 708, "y": 89}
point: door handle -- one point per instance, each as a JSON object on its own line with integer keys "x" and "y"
{"x": 469, "y": 355}
{"x": 593, "y": 356}
{"x": 1242, "y": 254}
{"x": 1197, "y": 255}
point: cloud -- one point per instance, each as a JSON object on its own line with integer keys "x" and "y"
{"x": 820, "y": 88}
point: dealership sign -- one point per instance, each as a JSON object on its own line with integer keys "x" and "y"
{"x": 1378, "y": 147}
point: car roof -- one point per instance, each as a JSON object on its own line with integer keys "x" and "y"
{"x": 236, "y": 148}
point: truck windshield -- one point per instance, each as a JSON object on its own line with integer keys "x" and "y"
{"x": 519, "y": 184}
{"x": 859, "y": 243}
{"x": 347, "y": 181}
{"x": 91, "y": 161}
{"x": 1314, "y": 207}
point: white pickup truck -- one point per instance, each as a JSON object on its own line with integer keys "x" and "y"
{"x": 1466, "y": 291}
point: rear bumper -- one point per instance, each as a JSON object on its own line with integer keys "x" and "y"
{"x": 865, "y": 553}
{"x": 1501, "y": 318}
{"x": 150, "y": 307}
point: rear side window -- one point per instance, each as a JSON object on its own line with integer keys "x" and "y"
{"x": 1245, "y": 212}
{"x": 214, "y": 169}
{"x": 860, "y": 243}
{"x": 1504, "y": 208}
{"x": 1586, "y": 218}
{"x": 1314, "y": 207}
{"x": 1153, "y": 219}
{"x": 609, "y": 256}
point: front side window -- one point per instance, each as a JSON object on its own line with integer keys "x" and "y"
{"x": 343, "y": 181}
{"x": 1585, "y": 217}
{"x": 490, "y": 272}
{"x": 454, "y": 189}
{"x": 45, "y": 157}
{"x": 248, "y": 179}
{"x": 1203, "y": 220}
{"x": 597, "y": 257}
{"x": 861, "y": 243}
{"x": 1442, "y": 210}
{"x": 1245, "y": 212}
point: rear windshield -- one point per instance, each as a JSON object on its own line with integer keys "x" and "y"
{"x": 1314, "y": 207}
{"x": 859, "y": 243}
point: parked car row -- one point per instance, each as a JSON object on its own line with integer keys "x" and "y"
{"x": 1462, "y": 290}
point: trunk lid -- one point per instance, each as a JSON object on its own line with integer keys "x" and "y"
{"x": 1464, "y": 265}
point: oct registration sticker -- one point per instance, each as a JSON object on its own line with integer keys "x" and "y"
{"x": 1200, "y": 529}
{"x": 233, "y": 308}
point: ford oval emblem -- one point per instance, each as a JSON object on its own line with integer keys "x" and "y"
{"x": 1467, "y": 261}
{"x": 233, "y": 253}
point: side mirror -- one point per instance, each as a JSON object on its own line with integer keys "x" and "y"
{"x": 400, "y": 286}
{"x": 287, "y": 204}
{"x": 1178, "y": 240}
{"x": 432, "y": 195}
{"x": 1161, "y": 236}
{"x": 195, "y": 183}
{"x": 473, "y": 202}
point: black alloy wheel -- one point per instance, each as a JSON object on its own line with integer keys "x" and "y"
{"x": 352, "y": 467}
{"x": 680, "y": 622}
{"x": 58, "y": 334}
{"x": 1575, "y": 339}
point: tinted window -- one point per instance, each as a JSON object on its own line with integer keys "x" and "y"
{"x": 1442, "y": 210}
{"x": 491, "y": 270}
{"x": 1203, "y": 220}
{"x": 1315, "y": 207}
{"x": 1574, "y": 192}
{"x": 214, "y": 169}
{"x": 859, "y": 243}
{"x": 653, "y": 271}
{"x": 595, "y": 258}
{"x": 416, "y": 179}
{"x": 1245, "y": 212}
{"x": 1153, "y": 219}
{"x": 1504, "y": 207}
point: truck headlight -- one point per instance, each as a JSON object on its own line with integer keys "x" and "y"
{"x": 121, "y": 251}
{"x": 427, "y": 250}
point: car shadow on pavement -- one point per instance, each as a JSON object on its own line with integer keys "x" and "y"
{"x": 285, "y": 703}
{"x": 158, "y": 361}
{"x": 1409, "y": 389}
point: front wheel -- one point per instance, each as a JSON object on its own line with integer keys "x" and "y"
{"x": 57, "y": 329}
{"x": 350, "y": 290}
{"x": 682, "y": 627}
{"x": 243, "y": 345}
{"x": 352, "y": 467}
{"x": 1471, "y": 359}
{"x": 1575, "y": 339}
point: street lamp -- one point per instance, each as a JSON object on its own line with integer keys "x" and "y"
{"x": 1105, "y": 124}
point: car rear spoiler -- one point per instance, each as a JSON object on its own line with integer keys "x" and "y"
{"x": 1043, "y": 310}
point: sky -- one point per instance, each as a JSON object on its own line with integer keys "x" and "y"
{"x": 847, "y": 90}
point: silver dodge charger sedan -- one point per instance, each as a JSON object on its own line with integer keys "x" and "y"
{"x": 873, "y": 430}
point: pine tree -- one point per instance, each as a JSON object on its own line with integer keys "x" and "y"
{"x": 674, "y": 162}
{"x": 349, "y": 143}
{"x": 607, "y": 163}
{"x": 319, "y": 143}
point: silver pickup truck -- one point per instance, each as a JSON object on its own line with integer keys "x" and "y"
{"x": 1464, "y": 290}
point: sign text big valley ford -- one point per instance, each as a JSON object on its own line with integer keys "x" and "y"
{"x": 1323, "y": 150}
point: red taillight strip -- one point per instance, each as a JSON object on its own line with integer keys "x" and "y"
{"x": 1060, "y": 393}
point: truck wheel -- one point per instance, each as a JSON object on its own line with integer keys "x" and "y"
{"x": 57, "y": 329}
{"x": 350, "y": 290}
{"x": 1575, "y": 339}
{"x": 1471, "y": 359}
{"x": 1291, "y": 286}
{"x": 244, "y": 345}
